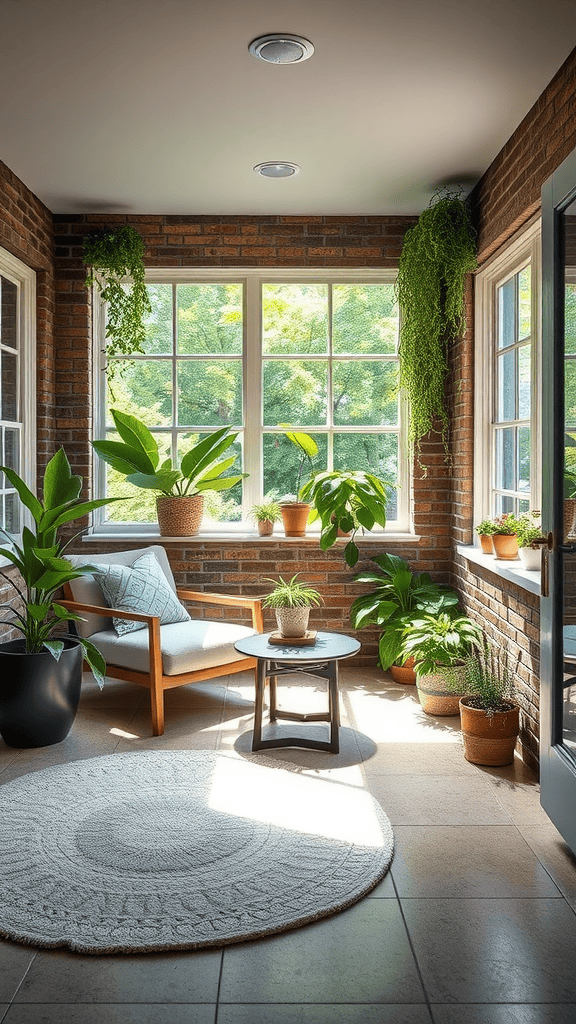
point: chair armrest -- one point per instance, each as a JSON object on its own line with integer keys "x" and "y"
{"x": 120, "y": 613}
{"x": 254, "y": 604}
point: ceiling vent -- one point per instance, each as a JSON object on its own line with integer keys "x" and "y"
{"x": 281, "y": 49}
{"x": 276, "y": 169}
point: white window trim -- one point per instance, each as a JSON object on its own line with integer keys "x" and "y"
{"x": 526, "y": 248}
{"x": 25, "y": 278}
{"x": 251, "y": 279}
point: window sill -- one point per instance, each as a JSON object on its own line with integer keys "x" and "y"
{"x": 513, "y": 571}
{"x": 152, "y": 535}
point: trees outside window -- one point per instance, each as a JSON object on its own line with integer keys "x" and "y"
{"x": 260, "y": 351}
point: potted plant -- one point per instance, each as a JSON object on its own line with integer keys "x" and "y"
{"x": 569, "y": 501}
{"x": 180, "y": 500}
{"x": 294, "y": 511}
{"x": 399, "y": 597}
{"x": 436, "y": 256}
{"x": 291, "y": 600}
{"x": 530, "y": 539}
{"x": 41, "y": 670}
{"x": 346, "y": 502}
{"x": 489, "y": 715}
{"x": 265, "y": 515}
{"x": 485, "y": 531}
{"x": 439, "y": 645}
{"x": 504, "y": 537}
{"x": 113, "y": 255}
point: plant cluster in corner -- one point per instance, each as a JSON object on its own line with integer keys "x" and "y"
{"x": 436, "y": 256}
{"x": 113, "y": 255}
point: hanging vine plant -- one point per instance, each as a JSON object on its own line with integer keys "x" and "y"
{"x": 112, "y": 255}
{"x": 436, "y": 256}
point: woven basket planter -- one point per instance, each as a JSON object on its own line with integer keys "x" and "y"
{"x": 489, "y": 739}
{"x": 436, "y": 697}
{"x": 179, "y": 516}
{"x": 293, "y": 621}
{"x": 569, "y": 517}
{"x": 405, "y": 673}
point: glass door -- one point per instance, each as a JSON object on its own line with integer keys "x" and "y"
{"x": 558, "y": 605}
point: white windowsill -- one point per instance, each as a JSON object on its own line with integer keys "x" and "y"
{"x": 513, "y": 571}
{"x": 152, "y": 534}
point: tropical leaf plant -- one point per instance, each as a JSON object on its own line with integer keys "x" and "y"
{"x": 346, "y": 501}
{"x": 41, "y": 562}
{"x": 440, "y": 639}
{"x": 398, "y": 598}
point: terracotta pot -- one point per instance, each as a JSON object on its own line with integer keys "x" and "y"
{"x": 404, "y": 673}
{"x": 292, "y": 621}
{"x": 505, "y": 546}
{"x": 436, "y": 697}
{"x": 265, "y": 527}
{"x": 179, "y": 516}
{"x": 486, "y": 543}
{"x": 295, "y": 518}
{"x": 569, "y": 518}
{"x": 489, "y": 739}
{"x": 531, "y": 558}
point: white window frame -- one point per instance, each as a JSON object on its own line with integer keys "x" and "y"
{"x": 251, "y": 280}
{"x": 526, "y": 248}
{"x": 25, "y": 280}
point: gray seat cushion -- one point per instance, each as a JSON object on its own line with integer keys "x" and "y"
{"x": 186, "y": 646}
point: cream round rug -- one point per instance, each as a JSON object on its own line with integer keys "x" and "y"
{"x": 180, "y": 849}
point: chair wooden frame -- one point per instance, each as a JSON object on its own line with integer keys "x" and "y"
{"x": 155, "y": 680}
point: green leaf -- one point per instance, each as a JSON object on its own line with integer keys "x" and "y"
{"x": 364, "y": 517}
{"x": 306, "y": 443}
{"x": 24, "y": 493}
{"x": 220, "y": 485}
{"x": 55, "y": 647}
{"x": 37, "y": 611}
{"x": 122, "y": 458}
{"x": 328, "y": 537}
{"x": 83, "y": 509}
{"x": 95, "y": 660}
{"x": 163, "y": 480}
{"x": 60, "y": 486}
{"x": 351, "y": 553}
{"x": 136, "y": 435}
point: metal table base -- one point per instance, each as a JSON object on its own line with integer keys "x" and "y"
{"x": 271, "y": 670}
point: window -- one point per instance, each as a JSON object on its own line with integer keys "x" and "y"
{"x": 255, "y": 350}
{"x": 17, "y": 380}
{"x": 507, "y": 361}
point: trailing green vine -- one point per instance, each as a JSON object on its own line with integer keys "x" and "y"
{"x": 436, "y": 256}
{"x": 112, "y": 255}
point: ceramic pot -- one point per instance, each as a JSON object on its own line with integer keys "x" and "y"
{"x": 179, "y": 515}
{"x": 405, "y": 673}
{"x": 39, "y": 695}
{"x": 486, "y": 544}
{"x": 292, "y": 621}
{"x": 295, "y": 518}
{"x": 489, "y": 739}
{"x": 436, "y": 696}
{"x": 265, "y": 527}
{"x": 531, "y": 558}
{"x": 505, "y": 546}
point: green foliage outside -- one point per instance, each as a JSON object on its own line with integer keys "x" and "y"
{"x": 207, "y": 391}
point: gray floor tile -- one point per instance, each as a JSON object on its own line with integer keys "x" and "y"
{"x": 290, "y": 1013}
{"x": 517, "y": 790}
{"x": 503, "y": 1013}
{"x": 554, "y": 855}
{"x": 185, "y": 729}
{"x": 15, "y": 960}
{"x": 494, "y": 951}
{"x": 437, "y": 800}
{"x": 467, "y": 861}
{"x": 360, "y": 955}
{"x": 110, "y": 1013}
{"x": 393, "y": 758}
{"x": 58, "y": 976}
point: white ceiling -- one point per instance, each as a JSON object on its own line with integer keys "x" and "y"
{"x": 144, "y": 106}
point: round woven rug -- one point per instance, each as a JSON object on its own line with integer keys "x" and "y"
{"x": 178, "y": 850}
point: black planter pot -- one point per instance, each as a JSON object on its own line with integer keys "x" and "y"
{"x": 38, "y": 695}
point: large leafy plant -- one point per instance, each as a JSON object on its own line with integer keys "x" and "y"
{"x": 136, "y": 457}
{"x": 42, "y": 564}
{"x": 436, "y": 256}
{"x": 113, "y": 255}
{"x": 307, "y": 450}
{"x": 440, "y": 639}
{"x": 398, "y": 598}
{"x": 346, "y": 501}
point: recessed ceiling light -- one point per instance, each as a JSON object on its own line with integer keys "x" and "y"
{"x": 277, "y": 169}
{"x": 281, "y": 49}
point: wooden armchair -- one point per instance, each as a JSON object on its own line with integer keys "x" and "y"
{"x": 161, "y": 657}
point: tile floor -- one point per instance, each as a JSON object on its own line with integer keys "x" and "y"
{"x": 474, "y": 924}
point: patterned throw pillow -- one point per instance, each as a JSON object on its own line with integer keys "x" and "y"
{"x": 140, "y": 587}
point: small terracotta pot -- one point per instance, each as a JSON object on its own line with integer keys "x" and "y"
{"x": 405, "y": 673}
{"x": 265, "y": 527}
{"x": 489, "y": 739}
{"x": 505, "y": 546}
{"x": 486, "y": 543}
{"x": 295, "y": 518}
